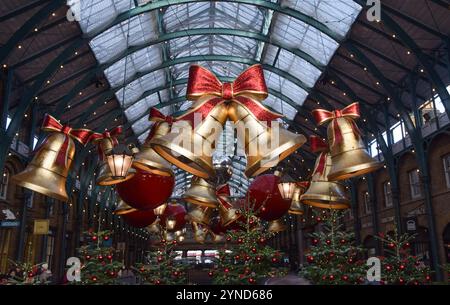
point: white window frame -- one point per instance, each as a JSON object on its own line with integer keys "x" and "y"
{"x": 446, "y": 164}
{"x": 387, "y": 191}
{"x": 414, "y": 184}
{"x": 4, "y": 184}
{"x": 367, "y": 203}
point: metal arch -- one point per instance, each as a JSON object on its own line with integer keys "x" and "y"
{"x": 212, "y": 31}
{"x": 151, "y": 6}
{"x": 28, "y": 26}
{"x": 214, "y": 57}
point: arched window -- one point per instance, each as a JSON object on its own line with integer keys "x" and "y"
{"x": 4, "y": 184}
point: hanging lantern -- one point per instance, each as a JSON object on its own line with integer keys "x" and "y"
{"x": 119, "y": 160}
{"x": 201, "y": 192}
{"x": 47, "y": 172}
{"x": 106, "y": 141}
{"x": 323, "y": 193}
{"x": 147, "y": 159}
{"x": 296, "y": 206}
{"x": 349, "y": 155}
{"x": 287, "y": 186}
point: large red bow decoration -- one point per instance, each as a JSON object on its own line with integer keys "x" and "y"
{"x": 248, "y": 89}
{"x": 53, "y": 125}
{"x": 318, "y": 145}
{"x": 351, "y": 112}
{"x": 109, "y": 134}
{"x": 158, "y": 117}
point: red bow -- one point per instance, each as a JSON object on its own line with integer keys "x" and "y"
{"x": 351, "y": 112}
{"x": 318, "y": 145}
{"x": 303, "y": 184}
{"x": 109, "y": 134}
{"x": 248, "y": 89}
{"x": 53, "y": 125}
{"x": 222, "y": 193}
{"x": 158, "y": 117}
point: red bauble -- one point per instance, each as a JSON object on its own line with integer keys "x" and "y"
{"x": 254, "y": 250}
{"x": 251, "y": 280}
{"x": 331, "y": 277}
{"x": 106, "y": 237}
{"x": 177, "y": 212}
{"x": 140, "y": 219}
{"x": 345, "y": 278}
{"x": 94, "y": 238}
{"x": 146, "y": 190}
{"x": 310, "y": 258}
{"x": 210, "y": 273}
{"x": 391, "y": 245}
{"x": 264, "y": 190}
{"x": 328, "y": 241}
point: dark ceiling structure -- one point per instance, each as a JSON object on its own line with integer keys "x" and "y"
{"x": 114, "y": 59}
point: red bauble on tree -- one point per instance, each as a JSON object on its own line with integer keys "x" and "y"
{"x": 140, "y": 219}
{"x": 146, "y": 190}
{"x": 264, "y": 191}
{"x": 173, "y": 217}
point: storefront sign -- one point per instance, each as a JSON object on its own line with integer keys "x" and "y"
{"x": 41, "y": 227}
{"x": 411, "y": 224}
{"x": 9, "y": 224}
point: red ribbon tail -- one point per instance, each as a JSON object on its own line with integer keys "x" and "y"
{"x": 320, "y": 168}
{"x": 61, "y": 158}
{"x": 337, "y": 135}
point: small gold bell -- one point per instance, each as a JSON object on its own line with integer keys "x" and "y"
{"x": 123, "y": 208}
{"x": 201, "y": 193}
{"x": 276, "y": 226}
{"x": 200, "y": 214}
{"x": 296, "y": 206}
{"x": 199, "y": 233}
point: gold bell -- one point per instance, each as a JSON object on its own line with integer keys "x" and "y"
{"x": 349, "y": 155}
{"x": 199, "y": 233}
{"x": 200, "y": 214}
{"x": 276, "y": 226}
{"x": 123, "y": 208}
{"x": 264, "y": 146}
{"x": 154, "y": 227}
{"x": 228, "y": 213}
{"x": 296, "y": 206}
{"x": 323, "y": 193}
{"x": 43, "y": 174}
{"x": 104, "y": 174}
{"x": 191, "y": 147}
{"x": 201, "y": 193}
{"x": 147, "y": 159}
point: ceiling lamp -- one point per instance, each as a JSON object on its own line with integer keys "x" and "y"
{"x": 120, "y": 159}
{"x": 286, "y": 187}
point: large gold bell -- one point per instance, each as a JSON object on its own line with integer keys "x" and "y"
{"x": 228, "y": 213}
{"x": 276, "y": 226}
{"x": 264, "y": 146}
{"x": 104, "y": 175}
{"x": 191, "y": 147}
{"x": 147, "y": 159}
{"x": 44, "y": 175}
{"x": 123, "y": 208}
{"x": 296, "y": 206}
{"x": 349, "y": 156}
{"x": 201, "y": 193}
{"x": 323, "y": 193}
{"x": 200, "y": 214}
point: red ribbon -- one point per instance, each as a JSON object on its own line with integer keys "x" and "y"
{"x": 318, "y": 145}
{"x": 158, "y": 117}
{"x": 350, "y": 112}
{"x": 248, "y": 89}
{"x": 222, "y": 193}
{"x": 53, "y": 125}
{"x": 109, "y": 134}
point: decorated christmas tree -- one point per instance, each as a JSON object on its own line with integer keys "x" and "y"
{"x": 399, "y": 267}
{"x": 333, "y": 257}
{"x": 246, "y": 259}
{"x": 98, "y": 260}
{"x": 28, "y": 274}
{"x": 161, "y": 267}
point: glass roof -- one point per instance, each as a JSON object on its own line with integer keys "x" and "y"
{"x": 137, "y": 52}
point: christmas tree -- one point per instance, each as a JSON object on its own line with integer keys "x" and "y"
{"x": 27, "y": 274}
{"x": 98, "y": 264}
{"x": 246, "y": 259}
{"x": 399, "y": 267}
{"x": 333, "y": 257}
{"x": 161, "y": 267}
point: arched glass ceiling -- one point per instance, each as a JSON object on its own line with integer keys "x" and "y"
{"x": 147, "y": 57}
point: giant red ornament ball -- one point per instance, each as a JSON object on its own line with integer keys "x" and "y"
{"x": 175, "y": 212}
{"x": 146, "y": 190}
{"x": 140, "y": 219}
{"x": 264, "y": 190}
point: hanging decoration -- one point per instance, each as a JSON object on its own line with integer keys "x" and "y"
{"x": 228, "y": 213}
{"x": 47, "y": 172}
{"x": 123, "y": 208}
{"x": 146, "y": 190}
{"x": 174, "y": 217}
{"x": 147, "y": 159}
{"x": 201, "y": 192}
{"x": 297, "y": 207}
{"x": 200, "y": 232}
{"x": 140, "y": 218}
{"x": 322, "y": 192}
{"x": 106, "y": 141}
{"x": 214, "y": 104}
{"x": 200, "y": 214}
{"x": 349, "y": 155}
